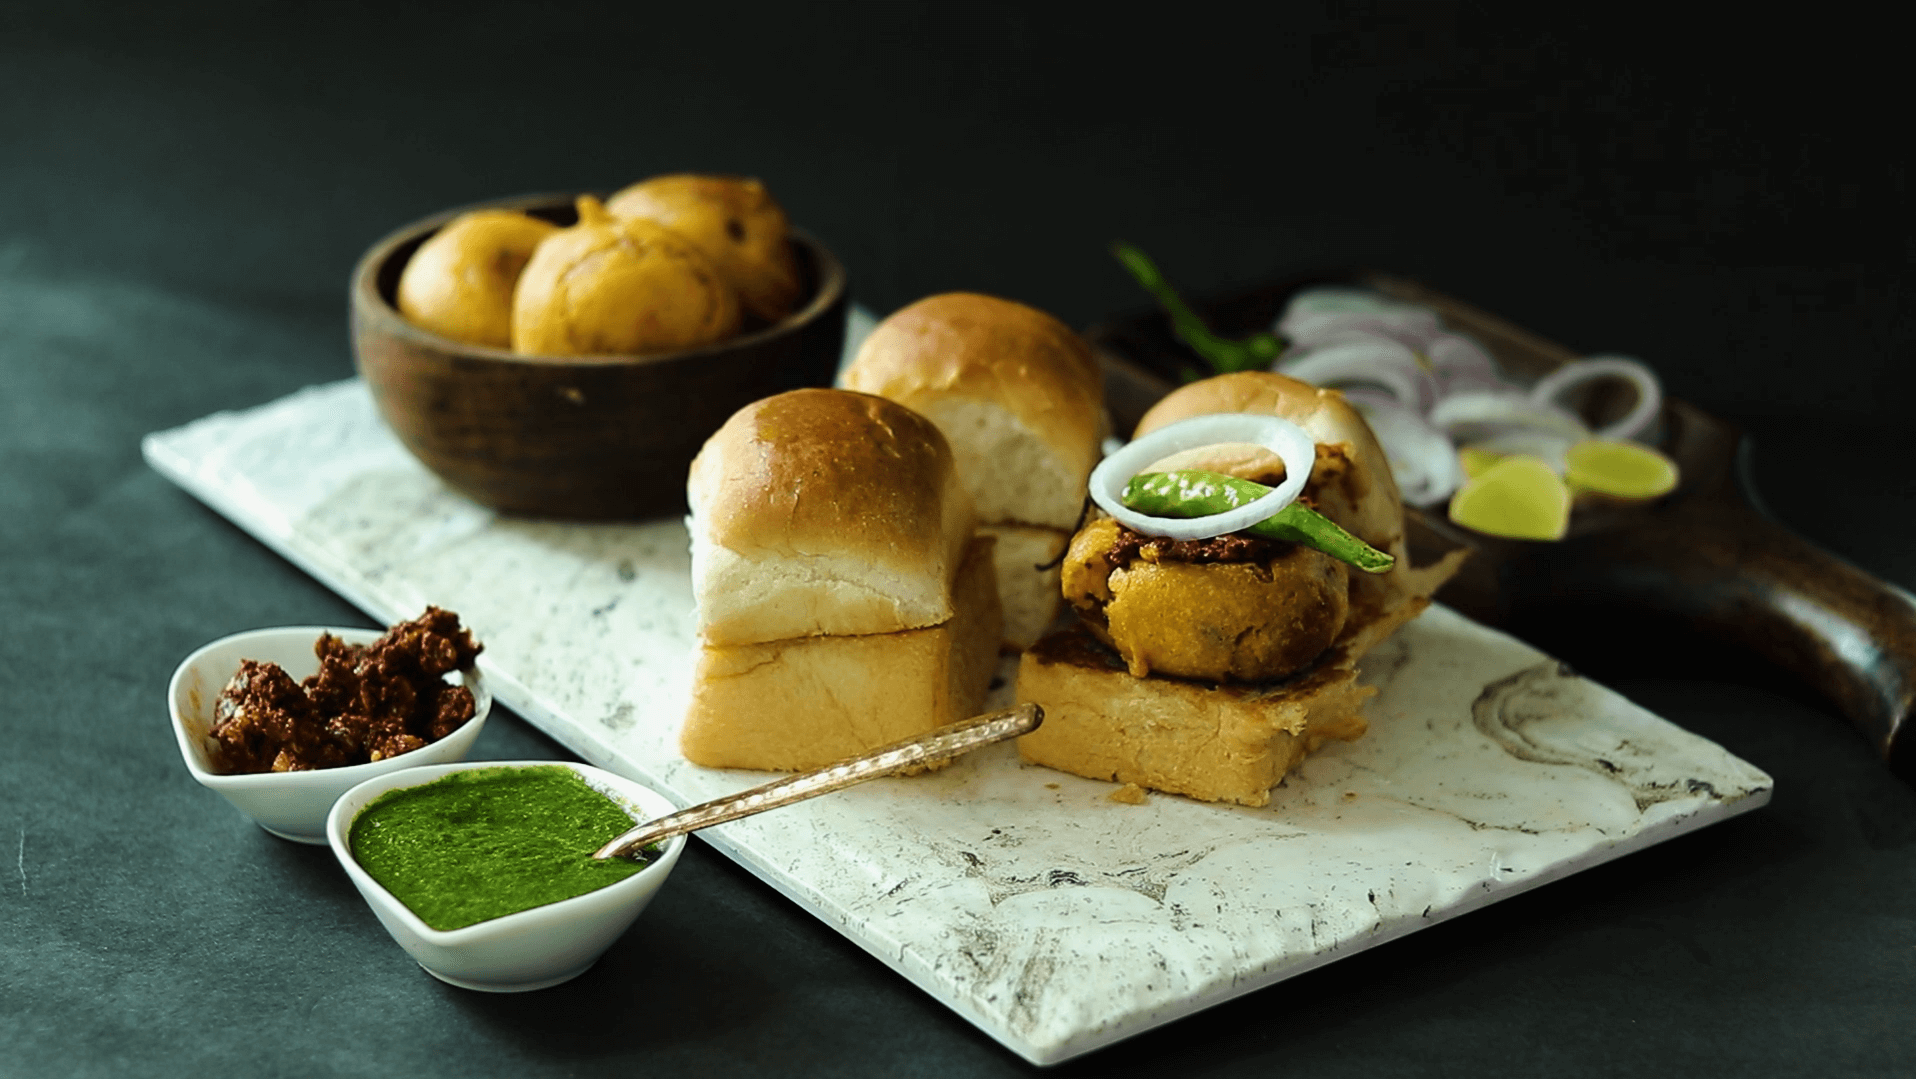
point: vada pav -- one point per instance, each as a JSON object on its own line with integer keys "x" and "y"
{"x": 735, "y": 223}
{"x": 608, "y": 286}
{"x": 1211, "y": 665}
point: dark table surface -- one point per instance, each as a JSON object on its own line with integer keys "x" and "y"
{"x": 184, "y": 187}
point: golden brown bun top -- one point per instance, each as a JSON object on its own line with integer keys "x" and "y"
{"x": 1362, "y": 497}
{"x": 976, "y": 335}
{"x": 972, "y": 345}
{"x": 829, "y": 471}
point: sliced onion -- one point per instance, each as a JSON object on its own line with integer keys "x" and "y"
{"x": 1343, "y": 300}
{"x": 1476, "y": 415}
{"x": 1422, "y": 460}
{"x": 1282, "y": 437}
{"x": 1426, "y": 390}
{"x": 1316, "y": 314}
{"x": 1461, "y": 364}
{"x": 1649, "y": 393}
{"x": 1367, "y": 359}
{"x": 1320, "y": 330}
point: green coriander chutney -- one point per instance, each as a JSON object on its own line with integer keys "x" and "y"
{"x": 488, "y": 842}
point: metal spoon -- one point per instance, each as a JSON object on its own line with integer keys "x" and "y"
{"x": 934, "y": 746}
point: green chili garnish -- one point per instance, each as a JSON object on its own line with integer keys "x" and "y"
{"x": 1193, "y": 493}
{"x": 1253, "y": 353}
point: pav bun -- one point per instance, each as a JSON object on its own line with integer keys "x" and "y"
{"x": 787, "y": 705}
{"x": 1021, "y": 400}
{"x": 1214, "y": 741}
{"x": 824, "y": 512}
{"x": 1016, "y": 392}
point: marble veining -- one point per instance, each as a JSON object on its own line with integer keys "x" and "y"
{"x": 1052, "y": 917}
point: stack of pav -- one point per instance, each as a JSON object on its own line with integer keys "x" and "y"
{"x": 1020, "y": 398}
{"x": 844, "y": 598}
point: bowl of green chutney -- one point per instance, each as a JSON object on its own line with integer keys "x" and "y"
{"x": 483, "y": 871}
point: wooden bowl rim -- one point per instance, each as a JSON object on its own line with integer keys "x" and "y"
{"x": 385, "y": 317}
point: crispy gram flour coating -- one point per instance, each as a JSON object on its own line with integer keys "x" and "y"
{"x": 1232, "y": 608}
{"x": 367, "y": 703}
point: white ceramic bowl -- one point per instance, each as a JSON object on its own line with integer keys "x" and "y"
{"x": 291, "y": 805}
{"x": 534, "y": 948}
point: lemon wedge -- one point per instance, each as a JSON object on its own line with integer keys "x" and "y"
{"x": 1477, "y": 460}
{"x": 1520, "y": 497}
{"x": 1619, "y": 469}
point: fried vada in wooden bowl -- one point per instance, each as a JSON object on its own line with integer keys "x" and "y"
{"x": 586, "y": 437}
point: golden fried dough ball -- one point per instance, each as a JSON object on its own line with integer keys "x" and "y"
{"x": 1233, "y": 621}
{"x": 607, "y": 286}
{"x": 738, "y": 225}
{"x": 459, "y": 283}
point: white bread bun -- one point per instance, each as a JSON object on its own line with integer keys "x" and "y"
{"x": 1016, "y": 392}
{"x": 1218, "y": 743}
{"x": 799, "y": 704}
{"x": 1030, "y": 596}
{"x": 824, "y": 512}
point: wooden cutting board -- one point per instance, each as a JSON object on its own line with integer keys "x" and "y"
{"x": 1706, "y": 555}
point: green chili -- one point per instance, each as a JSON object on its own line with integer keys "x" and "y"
{"x": 1253, "y": 353}
{"x": 1193, "y": 493}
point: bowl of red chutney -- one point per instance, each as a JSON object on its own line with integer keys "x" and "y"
{"x": 283, "y": 721}
{"x": 484, "y": 872}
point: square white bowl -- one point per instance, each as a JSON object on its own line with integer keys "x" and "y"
{"x": 532, "y": 949}
{"x": 291, "y": 805}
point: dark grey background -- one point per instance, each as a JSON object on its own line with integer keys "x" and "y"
{"x": 184, "y": 187}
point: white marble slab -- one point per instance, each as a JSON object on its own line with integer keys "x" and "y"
{"x": 1056, "y": 920}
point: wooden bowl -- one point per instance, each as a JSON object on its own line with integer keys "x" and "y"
{"x": 585, "y": 437}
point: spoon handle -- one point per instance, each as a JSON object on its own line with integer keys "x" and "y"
{"x": 940, "y": 744}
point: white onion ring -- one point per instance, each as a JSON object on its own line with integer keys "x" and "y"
{"x": 1340, "y": 299}
{"x": 1649, "y": 394}
{"x": 1473, "y": 415}
{"x": 1378, "y": 361}
{"x": 1317, "y": 330}
{"x": 1422, "y": 459}
{"x": 1316, "y": 314}
{"x": 1295, "y": 448}
{"x": 1461, "y": 364}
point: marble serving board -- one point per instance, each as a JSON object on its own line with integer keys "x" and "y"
{"x": 1055, "y": 919}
